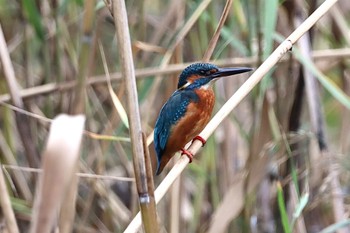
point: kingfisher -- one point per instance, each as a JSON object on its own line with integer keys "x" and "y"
{"x": 188, "y": 110}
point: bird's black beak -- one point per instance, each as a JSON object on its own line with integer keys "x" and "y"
{"x": 223, "y": 72}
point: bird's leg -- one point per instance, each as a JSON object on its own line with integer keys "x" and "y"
{"x": 188, "y": 154}
{"x": 199, "y": 138}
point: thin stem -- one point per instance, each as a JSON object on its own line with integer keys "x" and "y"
{"x": 6, "y": 207}
{"x": 146, "y": 201}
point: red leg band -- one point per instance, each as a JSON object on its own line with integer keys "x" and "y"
{"x": 199, "y": 138}
{"x": 188, "y": 154}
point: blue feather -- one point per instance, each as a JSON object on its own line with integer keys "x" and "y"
{"x": 172, "y": 111}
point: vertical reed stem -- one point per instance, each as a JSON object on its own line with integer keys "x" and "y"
{"x": 147, "y": 203}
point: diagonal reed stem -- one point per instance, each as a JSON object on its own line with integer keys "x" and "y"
{"x": 22, "y": 121}
{"x": 5, "y": 203}
{"x": 215, "y": 38}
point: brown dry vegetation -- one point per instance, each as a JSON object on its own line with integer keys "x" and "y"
{"x": 278, "y": 163}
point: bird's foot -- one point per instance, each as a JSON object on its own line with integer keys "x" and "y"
{"x": 188, "y": 154}
{"x": 199, "y": 138}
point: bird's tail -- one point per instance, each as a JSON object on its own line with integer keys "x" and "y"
{"x": 161, "y": 165}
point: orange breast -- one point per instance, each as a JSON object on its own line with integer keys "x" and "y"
{"x": 196, "y": 117}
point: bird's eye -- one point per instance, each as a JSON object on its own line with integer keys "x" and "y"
{"x": 205, "y": 72}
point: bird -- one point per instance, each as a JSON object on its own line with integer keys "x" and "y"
{"x": 185, "y": 114}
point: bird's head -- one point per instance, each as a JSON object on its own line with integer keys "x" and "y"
{"x": 201, "y": 74}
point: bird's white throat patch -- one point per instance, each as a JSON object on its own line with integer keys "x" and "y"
{"x": 205, "y": 87}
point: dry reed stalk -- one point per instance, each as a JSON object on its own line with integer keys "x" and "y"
{"x": 117, "y": 103}
{"x": 14, "y": 90}
{"x": 174, "y": 215}
{"x": 79, "y": 174}
{"x": 215, "y": 38}
{"x": 147, "y": 203}
{"x": 5, "y": 203}
{"x": 18, "y": 177}
{"x": 85, "y": 58}
{"x": 60, "y": 160}
{"x": 329, "y": 54}
{"x": 345, "y": 142}
{"x": 236, "y": 98}
{"x": 341, "y": 23}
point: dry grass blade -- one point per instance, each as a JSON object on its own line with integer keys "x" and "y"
{"x": 215, "y": 38}
{"x": 341, "y": 22}
{"x": 243, "y": 91}
{"x": 47, "y": 120}
{"x": 117, "y": 104}
{"x": 6, "y": 207}
{"x": 18, "y": 177}
{"x": 59, "y": 166}
{"x": 9, "y": 72}
{"x": 80, "y": 175}
{"x": 21, "y": 120}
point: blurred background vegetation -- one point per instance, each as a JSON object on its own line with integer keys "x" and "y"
{"x": 279, "y": 163}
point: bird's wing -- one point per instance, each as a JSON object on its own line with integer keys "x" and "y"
{"x": 172, "y": 111}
